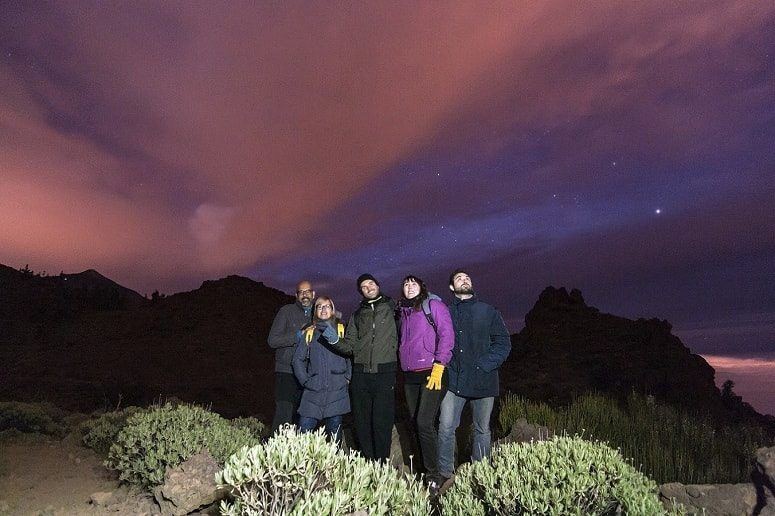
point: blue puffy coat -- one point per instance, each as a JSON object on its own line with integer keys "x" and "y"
{"x": 325, "y": 376}
{"x": 482, "y": 344}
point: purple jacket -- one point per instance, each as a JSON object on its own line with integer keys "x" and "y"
{"x": 417, "y": 344}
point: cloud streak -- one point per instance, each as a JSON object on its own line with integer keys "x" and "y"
{"x": 754, "y": 378}
{"x": 165, "y": 144}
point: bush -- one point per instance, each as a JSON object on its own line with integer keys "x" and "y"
{"x": 668, "y": 444}
{"x": 99, "y": 434}
{"x": 256, "y": 427}
{"x": 301, "y": 474}
{"x": 565, "y": 475}
{"x": 42, "y": 418}
{"x": 166, "y": 436}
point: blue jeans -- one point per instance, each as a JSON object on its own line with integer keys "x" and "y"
{"x": 449, "y": 419}
{"x": 333, "y": 426}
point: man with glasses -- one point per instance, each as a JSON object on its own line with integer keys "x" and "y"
{"x": 482, "y": 344}
{"x": 282, "y": 338}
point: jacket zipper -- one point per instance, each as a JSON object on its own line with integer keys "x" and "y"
{"x": 373, "y": 337}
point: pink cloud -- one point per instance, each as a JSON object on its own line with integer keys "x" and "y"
{"x": 253, "y": 123}
{"x": 754, "y": 378}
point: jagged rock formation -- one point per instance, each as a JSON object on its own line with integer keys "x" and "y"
{"x": 569, "y": 348}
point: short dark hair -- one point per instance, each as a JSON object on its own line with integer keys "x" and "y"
{"x": 455, "y": 273}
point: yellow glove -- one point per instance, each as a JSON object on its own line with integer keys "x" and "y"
{"x": 434, "y": 380}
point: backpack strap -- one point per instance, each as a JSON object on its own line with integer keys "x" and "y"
{"x": 311, "y": 330}
{"x": 426, "y": 309}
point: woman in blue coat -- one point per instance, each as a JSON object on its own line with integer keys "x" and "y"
{"x": 324, "y": 374}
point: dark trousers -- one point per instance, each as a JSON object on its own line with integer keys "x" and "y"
{"x": 373, "y": 407}
{"x": 423, "y": 407}
{"x": 287, "y": 395}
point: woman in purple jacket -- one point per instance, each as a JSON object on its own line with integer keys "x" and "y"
{"x": 425, "y": 348}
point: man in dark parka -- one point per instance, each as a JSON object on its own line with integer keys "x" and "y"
{"x": 482, "y": 344}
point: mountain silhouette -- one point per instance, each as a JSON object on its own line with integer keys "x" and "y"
{"x": 568, "y": 348}
{"x": 84, "y": 342}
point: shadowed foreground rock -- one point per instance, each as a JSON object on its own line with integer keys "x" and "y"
{"x": 190, "y": 486}
{"x": 524, "y": 432}
{"x": 757, "y": 498}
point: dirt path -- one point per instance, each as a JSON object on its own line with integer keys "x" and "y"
{"x": 43, "y": 475}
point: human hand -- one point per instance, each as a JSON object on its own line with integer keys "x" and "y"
{"x": 327, "y": 330}
{"x": 434, "y": 380}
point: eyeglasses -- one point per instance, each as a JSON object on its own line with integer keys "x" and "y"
{"x": 320, "y": 308}
{"x": 305, "y": 291}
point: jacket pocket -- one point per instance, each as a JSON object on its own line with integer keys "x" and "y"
{"x": 483, "y": 380}
{"x": 314, "y": 383}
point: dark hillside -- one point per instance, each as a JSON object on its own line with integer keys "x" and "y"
{"x": 568, "y": 348}
{"x": 84, "y": 342}
{"x": 207, "y": 345}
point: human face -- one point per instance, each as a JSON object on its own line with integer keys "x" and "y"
{"x": 324, "y": 310}
{"x": 411, "y": 289}
{"x": 369, "y": 289}
{"x": 304, "y": 293}
{"x": 462, "y": 285}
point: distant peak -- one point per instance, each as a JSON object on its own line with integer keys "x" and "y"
{"x": 559, "y": 296}
{"x": 91, "y": 272}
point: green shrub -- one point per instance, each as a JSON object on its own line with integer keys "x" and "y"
{"x": 256, "y": 427}
{"x": 301, "y": 474}
{"x": 42, "y": 418}
{"x": 668, "y": 444}
{"x": 565, "y": 475}
{"x": 100, "y": 433}
{"x": 166, "y": 436}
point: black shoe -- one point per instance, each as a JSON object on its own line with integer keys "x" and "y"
{"x": 433, "y": 487}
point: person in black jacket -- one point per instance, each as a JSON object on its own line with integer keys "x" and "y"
{"x": 482, "y": 344}
{"x": 371, "y": 339}
{"x": 282, "y": 338}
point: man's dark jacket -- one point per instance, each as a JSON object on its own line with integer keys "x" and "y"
{"x": 282, "y": 336}
{"x": 482, "y": 344}
{"x": 371, "y": 336}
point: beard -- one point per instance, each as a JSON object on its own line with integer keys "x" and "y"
{"x": 464, "y": 290}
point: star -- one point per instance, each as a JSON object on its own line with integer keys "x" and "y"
{"x": 658, "y": 211}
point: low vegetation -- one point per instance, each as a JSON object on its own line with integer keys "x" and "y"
{"x": 301, "y": 474}
{"x": 43, "y": 418}
{"x": 562, "y": 476}
{"x": 165, "y": 436}
{"x": 100, "y": 433}
{"x": 667, "y": 445}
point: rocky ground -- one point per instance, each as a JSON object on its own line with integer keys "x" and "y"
{"x": 44, "y": 475}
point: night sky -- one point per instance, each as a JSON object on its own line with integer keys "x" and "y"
{"x": 623, "y": 148}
